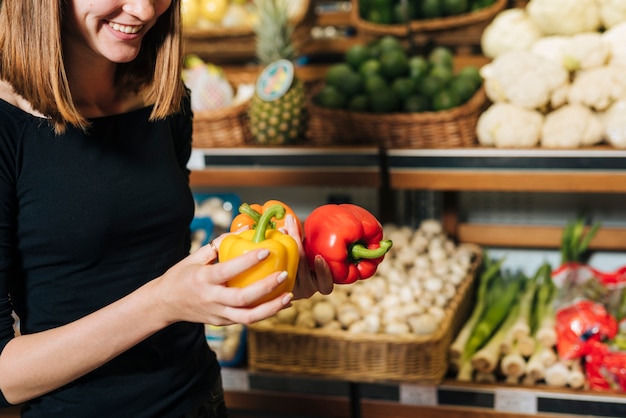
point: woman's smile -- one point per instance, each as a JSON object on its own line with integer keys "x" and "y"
{"x": 128, "y": 29}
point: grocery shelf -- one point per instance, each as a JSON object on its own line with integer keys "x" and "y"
{"x": 447, "y": 400}
{"x": 286, "y": 166}
{"x": 597, "y": 170}
{"x": 480, "y": 169}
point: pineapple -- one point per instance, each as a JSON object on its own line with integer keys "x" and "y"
{"x": 279, "y": 119}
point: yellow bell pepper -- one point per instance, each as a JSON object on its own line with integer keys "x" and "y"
{"x": 284, "y": 255}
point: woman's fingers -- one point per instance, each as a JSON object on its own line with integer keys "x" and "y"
{"x": 323, "y": 276}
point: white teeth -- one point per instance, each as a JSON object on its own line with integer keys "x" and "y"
{"x": 124, "y": 28}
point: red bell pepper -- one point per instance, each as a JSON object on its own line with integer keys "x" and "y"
{"x": 348, "y": 237}
{"x": 249, "y": 216}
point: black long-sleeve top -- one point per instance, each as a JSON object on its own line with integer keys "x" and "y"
{"x": 86, "y": 219}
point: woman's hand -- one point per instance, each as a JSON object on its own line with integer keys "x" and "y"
{"x": 195, "y": 289}
{"x": 308, "y": 282}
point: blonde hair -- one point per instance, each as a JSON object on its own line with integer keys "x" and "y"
{"x": 31, "y": 61}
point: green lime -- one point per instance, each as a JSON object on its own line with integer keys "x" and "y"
{"x": 394, "y": 64}
{"x": 356, "y": 55}
{"x": 431, "y": 9}
{"x": 403, "y": 86}
{"x": 369, "y": 68}
{"x": 418, "y": 67}
{"x": 383, "y": 101}
{"x": 454, "y": 7}
{"x": 329, "y": 97}
{"x": 442, "y": 72}
{"x": 481, "y": 4}
{"x": 374, "y": 83}
{"x": 440, "y": 55}
{"x": 464, "y": 87}
{"x": 380, "y": 16}
{"x": 404, "y": 13}
{"x": 445, "y": 99}
{"x": 429, "y": 86}
{"x": 359, "y": 103}
{"x": 389, "y": 43}
{"x": 336, "y": 74}
{"x": 416, "y": 103}
{"x": 351, "y": 84}
{"x": 472, "y": 72}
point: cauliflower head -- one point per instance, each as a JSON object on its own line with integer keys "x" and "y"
{"x": 510, "y": 30}
{"x": 614, "y": 122}
{"x": 614, "y": 37}
{"x": 612, "y": 12}
{"x": 598, "y": 87}
{"x": 571, "y": 126}
{"x": 504, "y": 125}
{"x": 565, "y": 17}
{"x": 523, "y": 79}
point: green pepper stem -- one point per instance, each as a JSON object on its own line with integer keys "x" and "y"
{"x": 275, "y": 211}
{"x": 360, "y": 251}
{"x": 246, "y": 209}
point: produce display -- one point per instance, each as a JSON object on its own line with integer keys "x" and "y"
{"x": 383, "y": 77}
{"x": 401, "y": 11}
{"x": 557, "y": 72}
{"x": 240, "y": 15}
{"x": 228, "y": 342}
{"x": 407, "y": 295}
{"x": 213, "y": 215}
{"x": 559, "y": 327}
{"x": 277, "y": 110}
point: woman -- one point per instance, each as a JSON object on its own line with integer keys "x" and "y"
{"x": 95, "y": 206}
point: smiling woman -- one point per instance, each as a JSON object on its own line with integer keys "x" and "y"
{"x": 95, "y": 213}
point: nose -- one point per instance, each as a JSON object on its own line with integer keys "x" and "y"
{"x": 141, "y": 9}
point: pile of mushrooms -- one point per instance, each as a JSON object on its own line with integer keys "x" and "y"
{"x": 409, "y": 293}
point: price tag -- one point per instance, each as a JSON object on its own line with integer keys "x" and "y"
{"x": 511, "y": 400}
{"x": 418, "y": 395}
{"x": 235, "y": 379}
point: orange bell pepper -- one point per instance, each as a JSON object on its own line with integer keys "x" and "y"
{"x": 249, "y": 216}
{"x": 284, "y": 254}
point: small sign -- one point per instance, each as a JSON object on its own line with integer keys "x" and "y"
{"x": 275, "y": 80}
{"x": 418, "y": 395}
{"x": 519, "y": 401}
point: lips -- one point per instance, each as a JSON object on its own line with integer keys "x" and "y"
{"x": 128, "y": 29}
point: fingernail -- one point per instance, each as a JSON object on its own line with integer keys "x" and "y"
{"x": 262, "y": 254}
{"x": 319, "y": 262}
{"x": 282, "y": 277}
{"x": 287, "y": 298}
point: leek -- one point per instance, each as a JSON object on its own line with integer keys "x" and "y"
{"x": 490, "y": 274}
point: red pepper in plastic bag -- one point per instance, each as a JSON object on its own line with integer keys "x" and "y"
{"x": 605, "y": 369}
{"x": 348, "y": 237}
{"x": 580, "y": 324}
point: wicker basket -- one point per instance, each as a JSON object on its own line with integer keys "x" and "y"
{"x": 451, "y": 128}
{"x": 225, "y": 44}
{"x": 226, "y": 127}
{"x": 453, "y": 30}
{"x": 362, "y": 357}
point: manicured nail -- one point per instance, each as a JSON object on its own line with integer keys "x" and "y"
{"x": 282, "y": 277}
{"x": 319, "y": 262}
{"x": 287, "y": 298}
{"x": 263, "y": 254}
